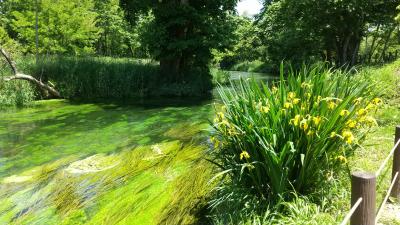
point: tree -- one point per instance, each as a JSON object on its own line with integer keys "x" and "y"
{"x": 65, "y": 26}
{"x": 327, "y": 29}
{"x": 183, "y": 32}
{"x": 116, "y": 36}
{"x": 247, "y": 43}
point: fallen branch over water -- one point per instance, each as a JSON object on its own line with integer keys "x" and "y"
{"x": 20, "y": 76}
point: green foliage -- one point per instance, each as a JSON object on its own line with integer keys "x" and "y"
{"x": 16, "y": 94}
{"x": 331, "y": 30}
{"x": 65, "y": 26}
{"x": 182, "y": 33}
{"x": 292, "y": 137}
{"x": 247, "y": 46}
{"x": 117, "y": 37}
{"x": 6, "y": 42}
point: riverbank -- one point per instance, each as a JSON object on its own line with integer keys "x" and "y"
{"x": 103, "y": 77}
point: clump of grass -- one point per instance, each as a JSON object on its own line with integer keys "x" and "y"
{"x": 289, "y": 138}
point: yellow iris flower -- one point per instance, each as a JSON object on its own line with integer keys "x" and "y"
{"x": 348, "y": 136}
{"x": 304, "y": 124}
{"x": 362, "y": 112}
{"x": 377, "y": 101}
{"x": 331, "y": 105}
{"x": 344, "y": 112}
{"x": 317, "y": 120}
{"x": 342, "y": 159}
{"x": 296, "y": 120}
{"x": 264, "y": 109}
{"x": 296, "y": 101}
{"x": 357, "y": 101}
{"x": 351, "y": 124}
{"x": 288, "y": 105}
{"x": 371, "y": 121}
{"x": 244, "y": 155}
{"x": 291, "y": 95}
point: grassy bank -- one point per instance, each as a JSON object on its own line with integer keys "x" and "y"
{"x": 330, "y": 202}
{"x": 103, "y": 78}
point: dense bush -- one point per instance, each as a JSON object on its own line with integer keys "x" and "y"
{"x": 272, "y": 141}
{"x": 104, "y": 77}
{"x": 15, "y": 92}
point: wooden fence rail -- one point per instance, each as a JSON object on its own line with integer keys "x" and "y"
{"x": 363, "y": 190}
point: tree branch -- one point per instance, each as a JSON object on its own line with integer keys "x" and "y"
{"x": 8, "y": 59}
{"x": 20, "y": 76}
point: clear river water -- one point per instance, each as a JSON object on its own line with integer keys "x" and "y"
{"x": 131, "y": 162}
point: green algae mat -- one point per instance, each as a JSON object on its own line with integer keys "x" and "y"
{"x": 80, "y": 163}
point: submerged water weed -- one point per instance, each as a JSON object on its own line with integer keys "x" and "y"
{"x": 316, "y": 118}
{"x": 141, "y": 186}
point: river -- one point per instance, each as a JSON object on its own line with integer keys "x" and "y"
{"x": 130, "y": 162}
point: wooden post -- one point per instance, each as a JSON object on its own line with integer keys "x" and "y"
{"x": 363, "y": 185}
{"x": 396, "y": 166}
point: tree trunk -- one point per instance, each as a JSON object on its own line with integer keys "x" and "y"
{"x": 345, "y": 49}
{"x": 170, "y": 68}
{"x": 385, "y": 47}
{"x": 355, "y": 52}
{"x": 173, "y": 64}
{"x": 372, "y": 48}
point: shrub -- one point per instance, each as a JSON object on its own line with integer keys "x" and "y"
{"x": 291, "y": 137}
{"x": 16, "y": 93}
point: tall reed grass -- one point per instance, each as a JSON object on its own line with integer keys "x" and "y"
{"x": 106, "y": 77}
{"x": 289, "y": 137}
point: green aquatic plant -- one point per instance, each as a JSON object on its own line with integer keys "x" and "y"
{"x": 292, "y": 136}
{"x": 70, "y": 163}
